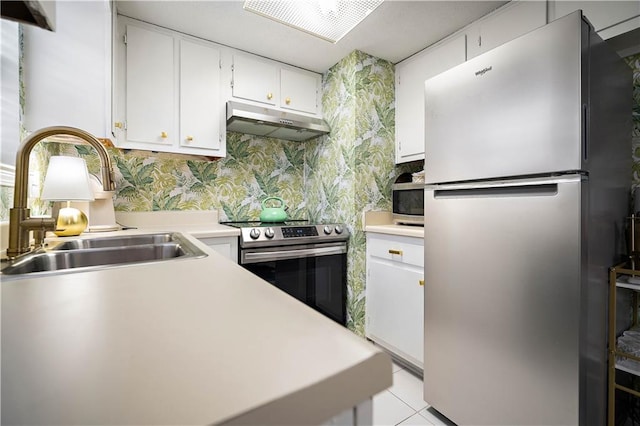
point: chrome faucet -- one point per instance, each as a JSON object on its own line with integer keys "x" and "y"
{"x": 20, "y": 222}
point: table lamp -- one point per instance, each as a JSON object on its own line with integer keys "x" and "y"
{"x": 67, "y": 180}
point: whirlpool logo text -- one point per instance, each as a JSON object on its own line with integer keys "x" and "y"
{"x": 484, "y": 71}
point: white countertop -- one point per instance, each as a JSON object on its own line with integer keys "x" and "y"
{"x": 191, "y": 341}
{"x": 381, "y": 222}
{"x": 200, "y": 224}
{"x": 404, "y": 230}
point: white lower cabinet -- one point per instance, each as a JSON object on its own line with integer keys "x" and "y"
{"x": 395, "y": 295}
{"x": 226, "y": 246}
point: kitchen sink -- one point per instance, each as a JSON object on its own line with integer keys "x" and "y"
{"x": 88, "y": 254}
{"x": 120, "y": 241}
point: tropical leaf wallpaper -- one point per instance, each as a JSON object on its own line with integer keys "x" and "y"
{"x": 254, "y": 169}
{"x": 330, "y": 179}
{"x": 352, "y": 169}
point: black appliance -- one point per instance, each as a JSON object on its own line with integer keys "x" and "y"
{"x": 306, "y": 261}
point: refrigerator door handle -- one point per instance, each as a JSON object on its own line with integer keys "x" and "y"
{"x": 585, "y": 132}
{"x": 547, "y": 189}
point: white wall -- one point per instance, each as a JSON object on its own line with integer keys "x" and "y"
{"x": 10, "y": 124}
{"x": 67, "y": 73}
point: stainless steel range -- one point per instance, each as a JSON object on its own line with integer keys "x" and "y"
{"x": 307, "y": 261}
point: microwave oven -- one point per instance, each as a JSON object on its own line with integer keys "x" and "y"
{"x": 408, "y": 203}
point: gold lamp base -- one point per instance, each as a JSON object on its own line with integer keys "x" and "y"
{"x": 71, "y": 222}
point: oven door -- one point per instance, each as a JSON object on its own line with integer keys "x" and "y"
{"x": 315, "y": 274}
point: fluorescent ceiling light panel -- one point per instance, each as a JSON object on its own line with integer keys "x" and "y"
{"x": 328, "y": 19}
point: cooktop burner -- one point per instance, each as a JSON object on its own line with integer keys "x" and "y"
{"x": 256, "y": 234}
{"x": 258, "y": 224}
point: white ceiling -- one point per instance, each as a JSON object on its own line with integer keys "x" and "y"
{"x": 394, "y": 31}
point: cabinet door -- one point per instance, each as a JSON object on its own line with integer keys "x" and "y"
{"x": 507, "y": 23}
{"x": 66, "y": 71}
{"x": 410, "y": 78}
{"x": 609, "y": 18}
{"x": 255, "y": 79}
{"x": 394, "y": 298}
{"x": 299, "y": 90}
{"x": 199, "y": 95}
{"x": 226, "y": 246}
{"x": 150, "y": 86}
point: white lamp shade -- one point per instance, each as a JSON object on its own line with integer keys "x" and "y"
{"x": 67, "y": 179}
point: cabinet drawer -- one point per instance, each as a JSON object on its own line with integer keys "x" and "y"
{"x": 396, "y": 248}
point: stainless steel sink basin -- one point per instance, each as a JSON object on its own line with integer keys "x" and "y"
{"x": 120, "y": 241}
{"x": 86, "y": 254}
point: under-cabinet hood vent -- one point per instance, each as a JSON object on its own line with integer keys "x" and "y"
{"x": 41, "y": 13}
{"x": 272, "y": 123}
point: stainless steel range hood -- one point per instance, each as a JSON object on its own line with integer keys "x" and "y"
{"x": 254, "y": 120}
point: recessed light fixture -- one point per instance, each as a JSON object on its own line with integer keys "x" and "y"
{"x": 328, "y": 19}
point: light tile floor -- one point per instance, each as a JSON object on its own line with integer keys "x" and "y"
{"x": 402, "y": 403}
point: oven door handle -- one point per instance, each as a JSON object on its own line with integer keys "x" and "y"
{"x": 267, "y": 256}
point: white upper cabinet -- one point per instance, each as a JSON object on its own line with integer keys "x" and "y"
{"x": 67, "y": 73}
{"x": 410, "y": 78}
{"x": 609, "y": 18}
{"x": 299, "y": 90}
{"x": 274, "y": 84}
{"x": 255, "y": 79}
{"x": 150, "y": 94}
{"x": 505, "y": 24}
{"x": 200, "y": 100}
{"x": 166, "y": 91}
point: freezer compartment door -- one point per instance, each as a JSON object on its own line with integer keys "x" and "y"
{"x": 515, "y": 110}
{"x": 502, "y": 302}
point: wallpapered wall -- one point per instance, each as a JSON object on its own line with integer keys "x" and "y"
{"x": 254, "y": 168}
{"x": 353, "y": 170}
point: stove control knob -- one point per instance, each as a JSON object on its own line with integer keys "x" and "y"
{"x": 338, "y": 229}
{"x": 328, "y": 229}
{"x": 254, "y": 233}
{"x": 269, "y": 233}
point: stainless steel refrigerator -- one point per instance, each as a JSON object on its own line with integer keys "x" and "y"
{"x": 528, "y": 169}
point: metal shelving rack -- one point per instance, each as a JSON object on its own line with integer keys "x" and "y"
{"x": 621, "y": 276}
